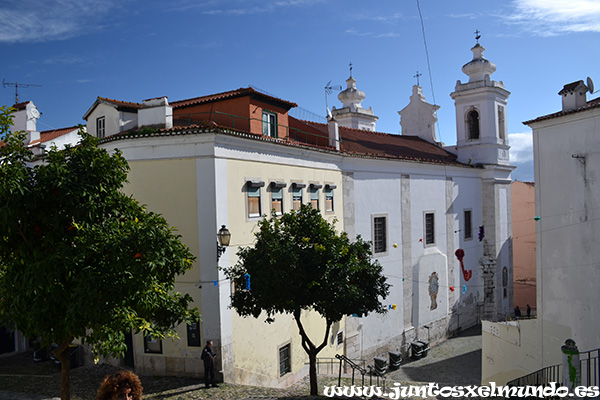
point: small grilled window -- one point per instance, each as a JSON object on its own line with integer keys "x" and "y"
{"x": 468, "y": 228}
{"x": 285, "y": 364}
{"x": 379, "y": 235}
{"x": 429, "y": 228}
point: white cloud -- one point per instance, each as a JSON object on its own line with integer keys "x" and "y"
{"x": 238, "y": 7}
{"x": 521, "y": 147}
{"x": 371, "y": 34}
{"x": 555, "y": 17}
{"x": 42, "y": 21}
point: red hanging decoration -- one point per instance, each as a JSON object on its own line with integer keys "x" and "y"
{"x": 460, "y": 254}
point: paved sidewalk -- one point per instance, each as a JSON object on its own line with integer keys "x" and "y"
{"x": 456, "y": 361}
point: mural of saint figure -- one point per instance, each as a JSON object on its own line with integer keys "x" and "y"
{"x": 434, "y": 287}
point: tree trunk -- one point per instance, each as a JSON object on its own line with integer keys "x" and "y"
{"x": 312, "y": 352}
{"x": 64, "y": 356}
{"x": 312, "y": 373}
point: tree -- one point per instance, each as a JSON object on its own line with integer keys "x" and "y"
{"x": 299, "y": 263}
{"x": 78, "y": 257}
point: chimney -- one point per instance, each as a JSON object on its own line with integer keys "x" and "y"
{"x": 25, "y": 119}
{"x": 574, "y": 96}
{"x": 334, "y": 133}
{"x": 156, "y": 112}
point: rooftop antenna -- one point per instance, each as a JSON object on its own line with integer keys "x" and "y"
{"x": 329, "y": 88}
{"x": 590, "y": 85}
{"x": 17, "y": 85}
{"x": 477, "y": 35}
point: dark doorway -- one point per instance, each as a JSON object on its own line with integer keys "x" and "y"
{"x": 128, "y": 360}
{"x": 7, "y": 340}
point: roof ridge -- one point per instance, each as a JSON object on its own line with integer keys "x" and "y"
{"x": 119, "y": 101}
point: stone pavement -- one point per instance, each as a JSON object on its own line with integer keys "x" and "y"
{"x": 457, "y": 361}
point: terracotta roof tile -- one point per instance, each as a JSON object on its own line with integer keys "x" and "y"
{"x": 46, "y": 136}
{"x": 20, "y": 106}
{"x": 595, "y": 103}
{"x": 378, "y": 144}
{"x": 123, "y": 104}
{"x": 229, "y": 95}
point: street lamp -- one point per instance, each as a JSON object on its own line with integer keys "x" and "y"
{"x": 223, "y": 237}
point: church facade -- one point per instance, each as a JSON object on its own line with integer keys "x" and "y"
{"x": 438, "y": 216}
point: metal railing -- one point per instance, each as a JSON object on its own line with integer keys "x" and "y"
{"x": 245, "y": 124}
{"x": 541, "y": 377}
{"x": 354, "y": 366}
{"x": 589, "y": 362}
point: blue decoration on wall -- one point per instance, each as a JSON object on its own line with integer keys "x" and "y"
{"x": 247, "y": 276}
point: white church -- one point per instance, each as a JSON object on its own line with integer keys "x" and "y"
{"x": 438, "y": 217}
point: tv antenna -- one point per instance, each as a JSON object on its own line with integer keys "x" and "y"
{"x": 17, "y": 85}
{"x": 329, "y": 88}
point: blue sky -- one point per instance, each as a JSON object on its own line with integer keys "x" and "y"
{"x": 133, "y": 50}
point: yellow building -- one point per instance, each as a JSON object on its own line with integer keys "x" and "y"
{"x": 201, "y": 178}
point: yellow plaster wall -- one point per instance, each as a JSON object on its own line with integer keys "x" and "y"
{"x": 168, "y": 187}
{"x": 255, "y": 343}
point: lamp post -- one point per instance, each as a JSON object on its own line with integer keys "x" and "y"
{"x": 223, "y": 237}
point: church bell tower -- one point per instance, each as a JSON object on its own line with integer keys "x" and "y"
{"x": 481, "y": 114}
{"x": 482, "y": 141}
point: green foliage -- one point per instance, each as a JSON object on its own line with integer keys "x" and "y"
{"x": 299, "y": 262}
{"x": 78, "y": 258}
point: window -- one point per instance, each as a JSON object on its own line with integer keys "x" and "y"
{"x": 340, "y": 337}
{"x": 193, "y": 334}
{"x": 297, "y": 195}
{"x": 329, "y": 197}
{"x": 429, "y": 228}
{"x": 504, "y": 280}
{"x": 253, "y": 190}
{"x": 285, "y": 364}
{"x": 269, "y": 124}
{"x": 468, "y": 228}
{"x": 379, "y": 234}
{"x": 314, "y": 195}
{"x": 152, "y": 345}
{"x": 100, "y": 127}
{"x": 501, "y": 123}
{"x": 473, "y": 124}
{"x": 277, "y": 197}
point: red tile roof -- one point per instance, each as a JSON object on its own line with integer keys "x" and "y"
{"x": 46, "y": 136}
{"x": 378, "y": 144}
{"x": 595, "y": 103}
{"x": 20, "y": 106}
{"x": 122, "y": 104}
{"x": 232, "y": 94}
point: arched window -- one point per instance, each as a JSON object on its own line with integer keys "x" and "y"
{"x": 473, "y": 124}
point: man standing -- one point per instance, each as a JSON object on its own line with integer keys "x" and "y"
{"x": 208, "y": 356}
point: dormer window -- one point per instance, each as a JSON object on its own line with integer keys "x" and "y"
{"x": 100, "y": 127}
{"x": 269, "y": 124}
{"x": 473, "y": 125}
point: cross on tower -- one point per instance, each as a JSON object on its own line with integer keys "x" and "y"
{"x": 477, "y": 35}
{"x": 417, "y": 76}
{"x": 350, "y": 69}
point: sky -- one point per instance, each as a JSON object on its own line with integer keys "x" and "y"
{"x": 132, "y": 50}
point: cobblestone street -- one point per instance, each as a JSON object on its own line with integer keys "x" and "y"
{"x": 456, "y": 361}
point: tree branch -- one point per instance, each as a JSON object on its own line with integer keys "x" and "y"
{"x": 305, "y": 338}
{"x": 326, "y": 336}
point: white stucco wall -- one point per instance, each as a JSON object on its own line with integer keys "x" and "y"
{"x": 567, "y": 165}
